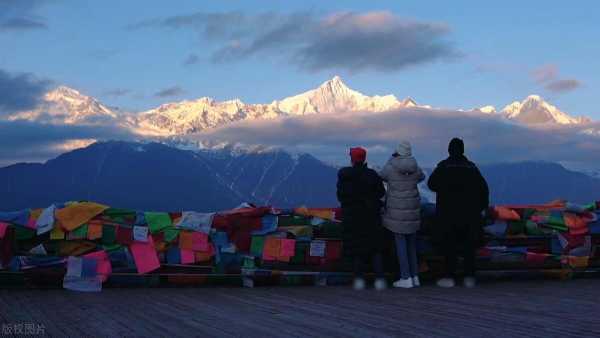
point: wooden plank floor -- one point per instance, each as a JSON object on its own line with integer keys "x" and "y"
{"x": 530, "y": 308}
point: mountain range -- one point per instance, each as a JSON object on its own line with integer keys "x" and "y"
{"x": 155, "y": 176}
{"x": 68, "y": 106}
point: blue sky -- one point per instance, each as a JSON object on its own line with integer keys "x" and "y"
{"x": 497, "y": 46}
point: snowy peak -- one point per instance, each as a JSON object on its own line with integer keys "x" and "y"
{"x": 334, "y": 96}
{"x": 534, "y": 110}
{"x": 486, "y": 110}
{"x": 65, "y": 105}
{"x": 193, "y": 116}
{"x": 409, "y": 102}
{"x": 336, "y": 87}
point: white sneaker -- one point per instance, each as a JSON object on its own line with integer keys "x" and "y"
{"x": 359, "y": 284}
{"x": 416, "y": 282}
{"x": 446, "y": 283}
{"x": 380, "y": 284}
{"x": 405, "y": 283}
{"x": 469, "y": 282}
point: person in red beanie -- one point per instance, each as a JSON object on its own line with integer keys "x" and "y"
{"x": 360, "y": 190}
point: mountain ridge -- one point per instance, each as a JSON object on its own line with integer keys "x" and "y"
{"x": 65, "y": 105}
{"x": 159, "y": 177}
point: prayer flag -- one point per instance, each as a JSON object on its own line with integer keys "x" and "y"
{"x": 256, "y": 248}
{"x": 124, "y": 235}
{"x": 187, "y": 256}
{"x": 94, "y": 231}
{"x": 109, "y": 234}
{"x": 140, "y": 233}
{"x": 174, "y": 255}
{"x": 157, "y": 221}
{"x": 103, "y": 266}
{"x": 271, "y": 248}
{"x": 317, "y": 248}
{"x": 3, "y": 227}
{"x": 144, "y": 255}
{"x": 288, "y": 248}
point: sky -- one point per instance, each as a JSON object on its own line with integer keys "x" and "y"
{"x": 460, "y": 54}
{"x": 136, "y": 55}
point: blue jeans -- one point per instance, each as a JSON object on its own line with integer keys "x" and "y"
{"x": 406, "y": 248}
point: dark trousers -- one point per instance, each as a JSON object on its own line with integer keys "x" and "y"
{"x": 361, "y": 264}
{"x": 460, "y": 238}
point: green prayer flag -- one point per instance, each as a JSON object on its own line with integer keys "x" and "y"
{"x": 516, "y": 228}
{"x": 300, "y": 253}
{"x": 557, "y": 221}
{"x": 249, "y": 263}
{"x": 119, "y": 215}
{"x": 171, "y": 234}
{"x": 80, "y": 232}
{"x": 298, "y": 231}
{"x": 157, "y": 221}
{"x": 24, "y": 233}
{"x": 112, "y": 247}
{"x": 331, "y": 230}
{"x": 533, "y": 229}
{"x": 109, "y": 234}
{"x": 285, "y": 221}
{"x": 527, "y": 213}
{"x": 256, "y": 247}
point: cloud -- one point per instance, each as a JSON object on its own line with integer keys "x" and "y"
{"x": 192, "y": 59}
{"x": 378, "y": 41}
{"x": 32, "y": 141}
{"x": 20, "y": 91}
{"x": 117, "y": 92}
{"x": 19, "y": 15}
{"x": 548, "y": 76}
{"x": 562, "y": 86}
{"x": 545, "y": 73}
{"x": 328, "y": 136}
{"x": 170, "y": 92}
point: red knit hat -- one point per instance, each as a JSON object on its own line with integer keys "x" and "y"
{"x": 358, "y": 155}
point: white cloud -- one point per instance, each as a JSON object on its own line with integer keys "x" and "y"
{"x": 488, "y": 139}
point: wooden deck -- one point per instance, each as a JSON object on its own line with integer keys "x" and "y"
{"x": 525, "y": 308}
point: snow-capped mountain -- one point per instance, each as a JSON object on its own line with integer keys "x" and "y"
{"x": 193, "y": 116}
{"x": 333, "y": 96}
{"x": 486, "y": 109}
{"x": 65, "y": 105}
{"x": 534, "y": 110}
{"x": 68, "y": 106}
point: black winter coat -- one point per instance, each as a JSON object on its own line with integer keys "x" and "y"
{"x": 360, "y": 190}
{"x": 461, "y": 191}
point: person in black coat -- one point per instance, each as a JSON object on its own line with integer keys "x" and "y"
{"x": 360, "y": 190}
{"x": 462, "y": 195}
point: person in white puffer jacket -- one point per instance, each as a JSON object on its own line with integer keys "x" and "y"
{"x": 403, "y": 210}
